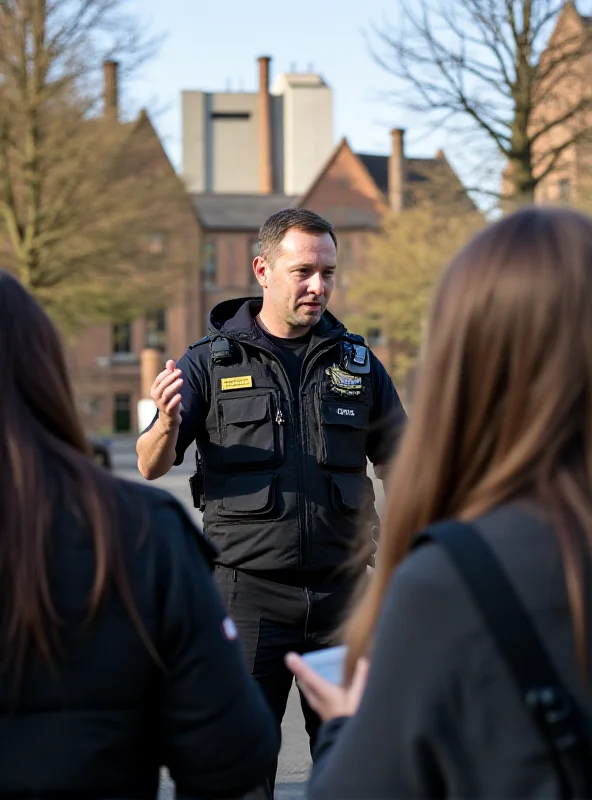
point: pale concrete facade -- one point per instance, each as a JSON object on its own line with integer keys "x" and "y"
{"x": 307, "y": 128}
{"x": 220, "y": 142}
{"x": 270, "y": 141}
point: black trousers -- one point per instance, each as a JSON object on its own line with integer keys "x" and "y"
{"x": 274, "y": 618}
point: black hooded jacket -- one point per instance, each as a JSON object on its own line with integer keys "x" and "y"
{"x": 100, "y": 721}
{"x": 284, "y": 478}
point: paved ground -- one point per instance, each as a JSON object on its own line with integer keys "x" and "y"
{"x": 294, "y": 757}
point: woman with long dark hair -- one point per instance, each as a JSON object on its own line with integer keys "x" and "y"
{"x": 500, "y": 435}
{"x": 116, "y": 656}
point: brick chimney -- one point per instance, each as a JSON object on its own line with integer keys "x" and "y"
{"x": 397, "y": 170}
{"x": 265, "y": 152}
{"x": 110, "y": 89}
{"x": 150, "y": 366}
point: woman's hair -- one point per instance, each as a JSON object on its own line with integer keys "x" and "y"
{"x": 45, "y": 470}
{"x": 503, "y": 405}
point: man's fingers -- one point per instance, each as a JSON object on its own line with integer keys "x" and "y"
{"x": 159, "y": 387}
{"x": 162, "y": 375}
{"x": 171, "y": 390}
{"x": 165, "y": 375}
{"x": 170, "y": 364}
{"x": 174, "y": 404}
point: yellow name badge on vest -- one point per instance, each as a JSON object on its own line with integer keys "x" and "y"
{"x": 243, "y": 382}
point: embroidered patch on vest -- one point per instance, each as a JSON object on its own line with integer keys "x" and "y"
{"x": 242, "y": 382}
{"x": 344, "y": 383}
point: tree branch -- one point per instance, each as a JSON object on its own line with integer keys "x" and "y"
{"x": 8, "y": 206}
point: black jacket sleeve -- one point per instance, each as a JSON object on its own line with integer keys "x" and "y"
{"x": 219, "y": 736}
{"x": 387, "y": 416}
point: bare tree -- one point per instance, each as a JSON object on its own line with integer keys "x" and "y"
{"x": 84, "y": 195}
{"x": 513, "y": 71}
{"x": 404, "y": 262}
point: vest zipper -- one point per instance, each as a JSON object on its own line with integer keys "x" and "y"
{"x": 302, "y": 504}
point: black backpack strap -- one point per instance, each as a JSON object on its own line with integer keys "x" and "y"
{"x": 563, "y": 726}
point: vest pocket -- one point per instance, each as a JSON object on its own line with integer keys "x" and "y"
{"x": 248, "y": 495}
{"x": 343, "y": 434}
{"x": 249, "y": 431}
{"x": 351, "y": 493}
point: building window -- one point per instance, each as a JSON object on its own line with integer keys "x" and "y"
{"x": 209, "y": 265}
{"x": 156, "y": 330}
{"x": 122, "y": 413}
{"x": 564, "y": 188}
{"x": 122, "y": 337}
{"x": 155, "y": 244}
{"x": 375, "y": 337}
{"x": 230, "y": 115}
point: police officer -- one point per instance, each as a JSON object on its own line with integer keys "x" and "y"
{"x": 285, "y": 406}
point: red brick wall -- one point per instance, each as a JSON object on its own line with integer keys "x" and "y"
{"x": 345, "y": 189}
{"x": 565, "y": 89}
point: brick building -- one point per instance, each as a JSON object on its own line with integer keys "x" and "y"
{"x": 285, "y": 161}
{"x": 569, "y": 180}
{"x": 105, "y": 360}
{"x": 562, "y": 119}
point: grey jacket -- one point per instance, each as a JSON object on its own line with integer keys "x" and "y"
{"x": 441, "y": 715}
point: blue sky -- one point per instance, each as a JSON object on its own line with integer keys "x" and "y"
{"x": 214, "y": 45}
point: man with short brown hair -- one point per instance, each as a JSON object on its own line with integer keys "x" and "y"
{"x": 285, "y": 406}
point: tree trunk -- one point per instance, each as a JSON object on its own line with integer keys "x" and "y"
{"x": 522, "y": 181}
{"x": 28, "y": 268}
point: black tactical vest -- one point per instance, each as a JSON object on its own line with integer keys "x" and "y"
{"x": 282, "y": 489}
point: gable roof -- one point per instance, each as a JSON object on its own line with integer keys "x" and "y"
{"x": 343, "y": 144}
{"x": 246, "y": 212}
{"x": 418, "y": 169}
{"x": 238, "y": 212}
